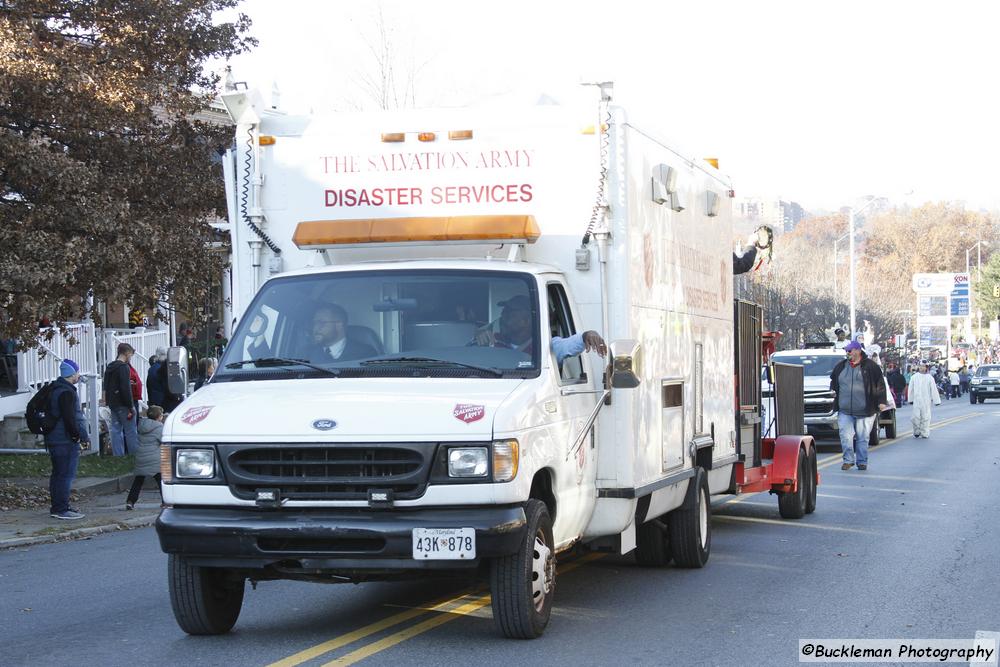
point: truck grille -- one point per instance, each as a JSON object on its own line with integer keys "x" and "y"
{"x": 819, "y": 408}
{"x": 328, "y": 472}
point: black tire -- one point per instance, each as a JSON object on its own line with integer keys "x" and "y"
{"x": 811, "y": 492}
{"x": 205, "y": 600}
{"x": 982, "y": 399}
{"x": 873, "y": 437}
{"x": 890, "y": 428}
{"x": 690, "y": 526}
{"x": 651, "y": 546}
{"x": 521, "y": 608}
{"x": 972, "y": 398}
{"x": 792, "y": 504}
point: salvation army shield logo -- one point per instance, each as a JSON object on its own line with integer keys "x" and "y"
{"x": 468, "y": 413}
{"x": 194, "y": 415}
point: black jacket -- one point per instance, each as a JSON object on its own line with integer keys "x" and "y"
{"x": 118, "y": 386}
{"x": 871, "y": 373}
{"x": 896, "y": 380}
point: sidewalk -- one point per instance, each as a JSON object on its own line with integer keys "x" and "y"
{"x": 101, "y": 499}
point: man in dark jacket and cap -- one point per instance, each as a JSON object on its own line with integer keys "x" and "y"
{"x": 859, "y": 387}
{"x": 64, "y": 440}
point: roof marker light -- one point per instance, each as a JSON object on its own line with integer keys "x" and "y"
{"x": 265, "y": 140}
{"x": 393, "y": 137}
{"x": 426, "y": 136}
{"x": 458, "y": 135}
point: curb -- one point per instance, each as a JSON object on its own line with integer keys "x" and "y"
{"x": 110, "y": 485}
{"x": 78, "y": 533}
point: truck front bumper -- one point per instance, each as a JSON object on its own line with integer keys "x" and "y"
{"x": 822, "y": 421}
{"x": 367, "y": 540}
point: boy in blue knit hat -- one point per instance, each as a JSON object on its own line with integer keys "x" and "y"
{"x": 64, "y": 441}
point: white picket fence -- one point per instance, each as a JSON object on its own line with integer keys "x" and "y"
{"x": 144, "y": 341}
{"x": 41, "y": 365}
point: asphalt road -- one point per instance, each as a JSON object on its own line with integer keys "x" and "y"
{"x": 907, "y": 549}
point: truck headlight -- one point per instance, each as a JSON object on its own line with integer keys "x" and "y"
{"x": 195, "y": 463}
{"x": 468, "y": 462}
{"x": 505, "y": 459}
{"x": 977, "y": 380}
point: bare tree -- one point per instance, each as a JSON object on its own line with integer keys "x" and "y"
{"x": 390, "y": 80}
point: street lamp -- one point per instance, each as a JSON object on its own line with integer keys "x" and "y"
{"x": 978, "y": 245}
{"x": 836, "y": 294}
{"x": 850, "y": 232}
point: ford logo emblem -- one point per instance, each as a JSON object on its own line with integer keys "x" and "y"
{"x": 324, "y": 424}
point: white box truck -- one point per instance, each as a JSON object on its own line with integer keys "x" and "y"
{"x": 410, "y": 397}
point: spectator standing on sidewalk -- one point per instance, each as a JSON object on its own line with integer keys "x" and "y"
{"x": 118, "y": 398}
{"x": 154, "y": 390}
{"x": 955, "y": 383}
{"x": 64, "y": 441}
{"x": 897, "y": 383}
{"x": 859, "y": 387}
{"x": 963, "y": 380}
{"x": 147, "y": 458}
{"x": 923, "y": 392}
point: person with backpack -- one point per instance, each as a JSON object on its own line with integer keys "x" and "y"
{"x": 147, "y": 458}
{"x": 119, "y": 399}
{"x": 63, "y": 442}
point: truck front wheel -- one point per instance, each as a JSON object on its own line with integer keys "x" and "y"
{"x": 522, "y": 584}
{"x": 205, "y": 600}
{"x": 691, "y": 525}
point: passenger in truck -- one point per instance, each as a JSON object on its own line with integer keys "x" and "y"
{"x": 515, "y": 333}
{"x": 329, "y": 337}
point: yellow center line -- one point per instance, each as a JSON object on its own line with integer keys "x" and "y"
{"x": 361, "y": 633}
{"x": 441, "y": 606}
{"x": 397, "y": 637}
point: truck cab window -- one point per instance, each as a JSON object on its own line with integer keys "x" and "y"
{"x": 561, "y": 326}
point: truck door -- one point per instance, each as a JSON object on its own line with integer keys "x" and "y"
{"x": 577, "y": 398}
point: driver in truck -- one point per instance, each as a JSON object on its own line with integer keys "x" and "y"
{"x": 329, "y": 337}
{"x": 515, "y": 333}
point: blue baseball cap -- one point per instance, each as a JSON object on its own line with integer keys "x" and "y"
{"x": 853, "y": 345}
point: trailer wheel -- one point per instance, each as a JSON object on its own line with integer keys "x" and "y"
{"x": 890, "y": 428}
{"x": 792, "y": 504}
{"x": 522, "y": 584}
{"x": 651, "y": 546}
{"x": 205, "y": 600}
{"x": 690, "y": 526}
{"x": 813, "y": 470}
{"x": 873, "y": 437}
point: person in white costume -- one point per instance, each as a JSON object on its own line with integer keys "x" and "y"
{"x": 922, "y": 393}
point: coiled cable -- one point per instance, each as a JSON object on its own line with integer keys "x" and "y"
{"x": 245, "y": 195}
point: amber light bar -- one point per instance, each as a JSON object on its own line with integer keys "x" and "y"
{"x": 319, "y": 234}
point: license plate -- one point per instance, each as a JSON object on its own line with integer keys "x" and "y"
{"x": 444, "y": 543}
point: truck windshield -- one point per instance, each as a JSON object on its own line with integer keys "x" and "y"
{"x": 812, "y": 364}
{"x": 438, "y": 323}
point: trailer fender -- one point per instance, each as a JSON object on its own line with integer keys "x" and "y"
{"x": 785, "y": 465}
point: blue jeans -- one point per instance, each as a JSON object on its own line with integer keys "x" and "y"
{"x": 120, "y": 423}
{"x": 64, "y": 459}
{"x": 855, "y": 428}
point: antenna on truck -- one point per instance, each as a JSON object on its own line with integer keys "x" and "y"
{"x": 600, "y": 203}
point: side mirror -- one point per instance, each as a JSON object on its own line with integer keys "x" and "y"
{"x": 177, "y": 370}
{"x": 626, "y": 364}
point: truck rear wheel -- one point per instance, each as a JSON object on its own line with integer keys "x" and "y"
{"x": 811, "y": 492}
{"x": 690, "y": 526}
{"x": 651, "y": 546}
{"x": 205, "y": 600}
{"x": 792, "y": 504}
{"x": 522, "y": 584}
